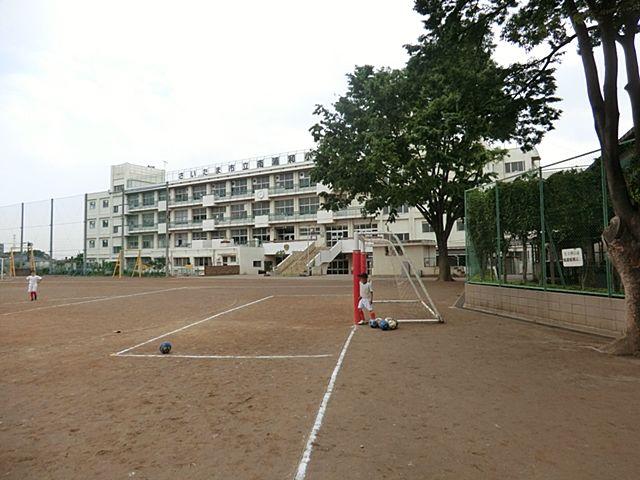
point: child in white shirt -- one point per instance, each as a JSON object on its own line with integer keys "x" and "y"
{"x": 33, "y": 280}
{"x": 366, "y": 298}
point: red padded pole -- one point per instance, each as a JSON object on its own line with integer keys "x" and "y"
{"x": 355, "y": 260}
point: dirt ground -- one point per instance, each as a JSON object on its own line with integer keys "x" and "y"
{"x": 477, "y": 397}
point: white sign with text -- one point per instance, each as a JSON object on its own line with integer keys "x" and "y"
{"x": 572, "y": 257}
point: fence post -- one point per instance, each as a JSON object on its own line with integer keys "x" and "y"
{"x": 51, "y": 234}
{"x": 21, "y": 226}
{"x": 123, "y": 260}
{"x": 543, "y": 238}
{"x": 499, "y": 263}
{"x": 605, "y": 221}
{"x": 84, "y": 248}
{"x": 167, "y": 216}
{"x": 466, "y": 235}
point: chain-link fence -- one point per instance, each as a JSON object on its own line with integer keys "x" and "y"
{"x": 47, "y": 235}
{"x": 542, "y": 228}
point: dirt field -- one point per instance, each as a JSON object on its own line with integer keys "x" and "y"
{"x": 240, "y": 393}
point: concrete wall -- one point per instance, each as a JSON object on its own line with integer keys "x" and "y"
{"x": 583, "y": 313}
{"x": 384, "y": 264}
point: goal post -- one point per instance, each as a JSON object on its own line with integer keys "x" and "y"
{"x": 399, "y": 291}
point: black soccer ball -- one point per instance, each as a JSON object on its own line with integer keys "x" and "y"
{"x": 165, "y": 347}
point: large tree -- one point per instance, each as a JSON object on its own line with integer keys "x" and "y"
{"x": 419, "y": 135}
{"x": 612, "y": 27}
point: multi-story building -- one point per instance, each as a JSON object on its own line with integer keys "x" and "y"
{"x": 251, "y": 213}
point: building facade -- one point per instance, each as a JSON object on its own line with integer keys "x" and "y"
{"x": 253, "y": 213}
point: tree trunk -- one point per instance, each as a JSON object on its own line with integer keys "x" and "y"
{"x": 624, "y": 250}
{"x": 444, "y": 269}
{"x": 525, "y": 259}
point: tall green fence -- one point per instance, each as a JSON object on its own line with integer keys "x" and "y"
{"x": 542, "y": 229}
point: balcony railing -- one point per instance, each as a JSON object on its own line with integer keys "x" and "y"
{"x": 185, "y": 224}
{"x": 142, "y": 227}
{"x": 186, "y": 199}
{"x": 142, "y": 206}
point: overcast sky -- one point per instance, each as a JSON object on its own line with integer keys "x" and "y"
{"x": 86, "y": 84}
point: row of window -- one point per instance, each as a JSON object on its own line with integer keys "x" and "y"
{"x": 283, "y": 181}
{"x": 426, "y": 228}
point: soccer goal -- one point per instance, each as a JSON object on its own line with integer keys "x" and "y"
{"x": 399, "y": 291}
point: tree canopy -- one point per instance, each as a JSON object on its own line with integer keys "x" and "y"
{"x": 419, "y": 135}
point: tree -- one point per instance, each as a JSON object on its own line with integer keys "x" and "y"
{"x": 418, "y": 135}
{"x": 605, "y": 25}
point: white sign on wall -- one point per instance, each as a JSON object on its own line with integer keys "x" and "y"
{"x": 572, "y": 257}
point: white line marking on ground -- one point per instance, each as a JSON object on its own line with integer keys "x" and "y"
{"x": 61, "y": 299}
{"x": 95, "y": 300}
{"x": 314, "y": 295}
{"x": 306, "y": 456}
{"x": 418, "y": 320}
{"x": 191, "y": 325}
{"x": 224, "y": 357}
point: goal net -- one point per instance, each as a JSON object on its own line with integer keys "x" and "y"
{"x": 399, "y": 291}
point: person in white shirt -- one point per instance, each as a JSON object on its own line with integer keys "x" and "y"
{"x": 32, "y": 288}
{"x": 366, "y": 298}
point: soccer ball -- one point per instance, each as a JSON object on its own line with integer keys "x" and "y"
{"x": 393, "y": 324}
{"x": 165, "y": 347}
{"x": 373, "y": 323}
{"x": 384, "y": 325}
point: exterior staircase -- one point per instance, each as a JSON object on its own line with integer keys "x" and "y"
{"x": 296, "y": 263}
{"x": 324, "y": 256}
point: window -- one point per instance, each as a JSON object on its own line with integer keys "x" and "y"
{"x": 403, "y": 237}
{"x": 202, "y": 261}
{"x": 305, "y": 179}
{"x": 239, "y": 187}
{"x": 284, "y": 207}
{"x": 182, "y": 194}
{"x": 284, "y": 233}
{"x": 400, "y": 209}
{"x": 238, "y": 211}
{"x": 132, "y": 242}
{"x": 116, "y": 228}
{"x": 333, "y": 234}
{"x": 257, "y": 264}
{"x": 275, "y": 161}
{"x": 199, "y": 214}
{"x": 309, "y": 233}
{"x": 92, "y": 244}
{"x": 162, "y": 195}
{"x": 148, "y": 199}
{"x": 260, "y": 208}
{"x": 426, "y": 228}
{"x": 199, "y": 235}
{"x": 365, "y": 227}
{"x": 181, "y": 217}
{"x": 260, "y": 182}
{"x": 133, "y": 222}
{"x": 217, "y": 213}
{"x": 105, "y": 223}
{"x": 147, "y": 241}
{"x": 199, "y": 191}
{"x": 181, "y": 240}
{"x": 219, "y": 190}
{"x": 291, "y": 158}
{"x": 148, "y": 220}
{"x": 284, "y": 181}
{"x": 218, "y": 234}
{"x": 239, "y": 236}
{"x": 105, "y": 203}
{"x": 162, "y": 241}
{"x": 118, "y": 188}
{"x": 116, "y": 208}
{"x": 309, "y": 205}
{"x": 92, "y": 205}
{"x": 460, "y": 225}
{"x": 117, "y": 249}
{"x": 180, "y": 261}
{"x": 92, "y": 224}
{"x": 512, "y": 167}
{"x": 133, "y": 201}
{"x": 261, "y": 234}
